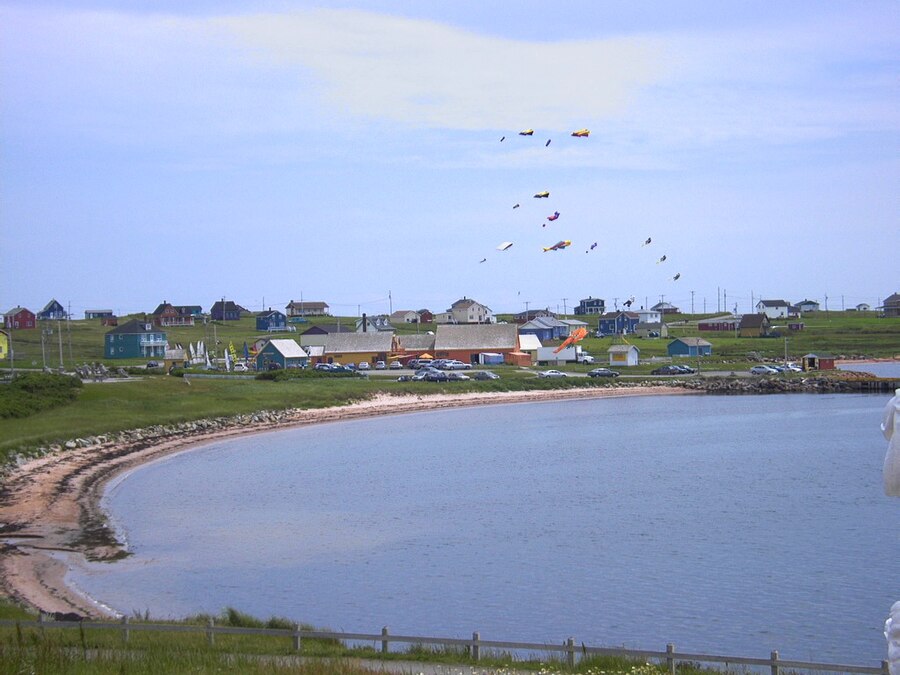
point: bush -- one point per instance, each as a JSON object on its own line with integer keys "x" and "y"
{"x": 31, "y": 393}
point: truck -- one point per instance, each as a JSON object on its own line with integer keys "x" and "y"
{"x": 574, "y": 354}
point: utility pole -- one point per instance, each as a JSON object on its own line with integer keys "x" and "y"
{"x": 69, "y": 330}
{"x": 565, "y": 309}
{"x": 692, "y": 302}
{"x": 59, "y": 330}
{"x": 390, "y": 304}
{"x": 526, "y": 310}
{"x": 724, "y": 298}
{"x": 616, "y": 303}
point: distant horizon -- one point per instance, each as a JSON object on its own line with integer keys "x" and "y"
{"x": 352, "y": 150}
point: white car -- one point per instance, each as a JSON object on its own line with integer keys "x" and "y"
{"x": 379, "y": 365}
{"x": 395, "y": 365}
{"x": 363, "y": 365}
{"x": 763, "y": 370}
{"x": 241, "y": 368}
{"x": 551, "y": 373}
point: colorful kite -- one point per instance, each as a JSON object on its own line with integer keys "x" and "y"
{"x": 574, "y": 336}
{"x": 558, "y": 245}
{"x": 647, "y": 242}
{"x": 676, "y": 277}
{"x": 553, "y": 217}
{"x": 542, "y": 195}
{"x": 527, "y": 132}
{"x": 581, "y": 133}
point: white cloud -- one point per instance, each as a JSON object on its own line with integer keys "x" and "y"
{"x": 426, "y": 74}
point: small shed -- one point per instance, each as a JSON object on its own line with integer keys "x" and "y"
{"x": 281, "y": 354}
{"x": 817, "y": 362}
{"x": 689, "y": 346}
{"x": 624, "y": 355}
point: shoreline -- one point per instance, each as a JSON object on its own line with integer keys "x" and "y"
{"x": 50, "y": 513}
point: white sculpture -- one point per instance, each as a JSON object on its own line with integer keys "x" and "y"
{"x": 890, "y": 427}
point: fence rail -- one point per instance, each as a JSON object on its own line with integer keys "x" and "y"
{"x": 474, "y": 646}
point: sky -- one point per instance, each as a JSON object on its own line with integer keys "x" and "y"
{"x": 351, "y": 153}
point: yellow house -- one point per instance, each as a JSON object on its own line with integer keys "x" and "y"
{"x": 4, "y": 345}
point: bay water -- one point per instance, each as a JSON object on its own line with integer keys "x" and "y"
{"x": 730, "y": 525}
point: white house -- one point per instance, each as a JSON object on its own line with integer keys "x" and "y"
{"x": 774, "y": 309}
{"x": 404, "y": 316}
{"x": 649, "y": 316}
{"x": 624, "y": 355}
{"x": 808, "y": 306}
{"x": 467, "y": 310}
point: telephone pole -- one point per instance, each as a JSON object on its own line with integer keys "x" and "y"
{"x": 692, "y": 302}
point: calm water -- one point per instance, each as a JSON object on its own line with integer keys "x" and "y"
{"x": 723, "y": 524}
{"x": 883, "y": 369}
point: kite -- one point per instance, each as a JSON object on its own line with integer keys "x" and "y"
{"x": 502, "y": 138}
{"x": 558, "y": 245}
{"x": 542, "y": 195}
{"x": 527, "y": 132}
{"x": 581, "y": 133}
{"x": 593, "y": 246}
{"x": 482, "y": 260}
{"x": 574, "y": 336}
{"x": 676, "y": 277}
{"x": 663, "y": 259}
{"x": 505, "y": 245}
{"x": 629, "y": 301}
{"x": 547, "y": 143}
{"x": 553, "y": 217}
{"x": 515, "y": 206}
{"x": 647, "y": 242}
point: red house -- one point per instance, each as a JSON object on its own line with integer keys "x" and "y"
{"x": 18, "y": 317}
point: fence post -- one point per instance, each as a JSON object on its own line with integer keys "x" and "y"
{"x": 570, "y": 652}
{"x": 774, "y": 657}
{"x": 296, "y": 637}
{"x": 384, "y": 643}
{"x": 210, "y": 636}
{"x": 126, "y": 634}
{"x": 885, "y": 667}
{"x": 41, "y": 622}
{"x": 670, "y": 658}
{"x": 476, "y": 648}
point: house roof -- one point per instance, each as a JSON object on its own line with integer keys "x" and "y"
{"x": 476, "y": 336}
{"x": 339, "y": 343}
{"x": 574, "y": 323}
{"x": 543, "y": 322}
{"x": 161, "y": 308}
{"x": 617, "y": 349}
{"x": 402, "y": 313}
{"x": 16, "y": 310}
{"x": 289, "y": 349}
{"x": 892, "y": 299}
{"x": 808, "y": 302}
{"x": 268, "y": 312}
{"x": 774, "y": 303}
{"x": 693, "y": 342}
{"x": 613, "y": 315}
{"x": 327, "y": 328}
{"x": 416, "y": 342}
{"x": 230, "y": 306}
{"x": 53, "y": 304}
{"x": 529, "y": 343}
{"x": 307, "y": 304}
{"x": 753, "y": 320}
{"x": 133, "y": 327}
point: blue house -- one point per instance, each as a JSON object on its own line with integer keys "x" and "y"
{"x": 52, "y": 311}
{"x": 277, "y": 354}
{"x": 271, "y": 320}
{"x": 591, "y": 305}
{"x": 545, "y": 328}
{"x": 689, "y": 346}
{"x": 135, "y": 340}
{"x": 616, "y": 323}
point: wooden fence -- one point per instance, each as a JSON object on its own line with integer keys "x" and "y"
{"x": 474, "y": 646}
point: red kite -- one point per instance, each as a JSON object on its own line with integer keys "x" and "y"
{"x": 574, "y": 336}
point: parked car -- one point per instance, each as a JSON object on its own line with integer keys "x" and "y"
{"x": 324, "y": 366}
{"x": 667, "y": 370}
{"x": 602, "y": 372}
{"x": 153, "y": 364}
{"x": 551, "y": 373}
{"x": 406, "y": 378}
{"x": 485, "y": 375}
{"x": 455, "y": 364}
{"x": 363, "y": 365}
{"x": 763, "y": 370}
{"x": 687, "y": 370}
{"x": 419, "y": 375}
{"x": 379, "y": 365}
{"x": 395, "y": 365}
{"x": 457, "y": 377}
{"x": 436, "y": 376}
{"x": 241, "y": 368}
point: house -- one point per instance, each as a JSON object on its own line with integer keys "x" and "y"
{"x": 283, "y": 353}
{"x": 651, "y": 330}
{"x": 465, "y": 343}
{"x": 53, "y": 311}
{"x": 530, "y": 344}
{"x": 649, "y": 316}
{"x": 719, "y": 324}
{"x": 404, "y": 316}
{"x": 189, "y": 310}
{"x": 168, "y": 315}
{"x": 665, "y": 308}
{"x": 318, "y": 335}
{"x": 891, "y": 305}
{"x": 591, "y": 306}
{"x": 369, "y": 347}
{"x": 98, "y": 314}
{"x": 689, "y": 346}
{"x": 753, "y": 325}
{"x": 773, "y": 309}
{"x": 624, "y": 355}
{"x": 306, "y": 308}
{"x": 863, "y": 307}
{"x": 19, "y": 318}
{"x": 807, "y": 306}
{"x": 425, "y": 316}
{"x": 369, "y": 324}
{"x": 226, "y": 310}
{"x": 135, "y": 339}
{"x": 615, "y": 323}
{"x": 574, "y": 324}
{"x": 524, "y": 317}
{"x": 466, "y": 310}
{"x": 4, "y": 345}
{"x": 545, "y": 328}
{"x": 414, "y": 345}
{"x": 817, "y": 362}
{"x": 272, "y": 320}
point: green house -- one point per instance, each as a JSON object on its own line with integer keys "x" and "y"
{"x": 135, "y": 340}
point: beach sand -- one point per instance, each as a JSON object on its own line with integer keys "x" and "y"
{"x": 50, "y": 511}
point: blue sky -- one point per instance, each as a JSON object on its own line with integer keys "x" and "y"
{"x": 350, "y": 152}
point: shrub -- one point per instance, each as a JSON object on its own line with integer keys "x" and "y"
{"x": 31, "y": 393}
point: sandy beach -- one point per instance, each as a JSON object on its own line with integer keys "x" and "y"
{"x": 50, "y": 515}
